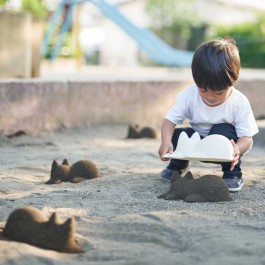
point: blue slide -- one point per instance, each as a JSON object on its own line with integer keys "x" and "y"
{"x": 157, "y": 50}
{"x": 64, "y": 28}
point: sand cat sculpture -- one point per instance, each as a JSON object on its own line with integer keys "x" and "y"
{"x": 208, "y": 188}
{"x": 30, "y": 226}
{"x": 135, "y": 132}
{"x": 79, "y": 171}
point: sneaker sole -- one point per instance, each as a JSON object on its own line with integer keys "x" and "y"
{"x": 183, "y": 171}
{"x": 166, "y": 178}
{"x": 236, "y": 189}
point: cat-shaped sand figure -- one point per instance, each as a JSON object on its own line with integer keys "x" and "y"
{"x": 79, "y": 171}
{"x": 135, "y": 132}
{"x": 208, "y": 188}
{"x": 29, "y": 225}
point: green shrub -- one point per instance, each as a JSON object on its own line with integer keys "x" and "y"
{"x": 2, "y": 2}
{"x": 35, "y": 8}
{"x": 250, "y": 39}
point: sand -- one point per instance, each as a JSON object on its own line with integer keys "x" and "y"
{"x": 119, "y": 219}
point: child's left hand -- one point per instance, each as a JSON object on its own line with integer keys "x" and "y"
{"x": 236, "y": 155}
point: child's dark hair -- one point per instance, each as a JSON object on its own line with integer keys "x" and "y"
{"x": 216, "y": 65}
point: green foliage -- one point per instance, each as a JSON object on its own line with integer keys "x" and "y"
{"x": 68, "y": 49}
{"x": 249, "y": 38}
{"x": 168, "y": 12}
{"x": 35, "y": 7}
{"x": 2, "y": 2}
{"x": 176, "y": 22}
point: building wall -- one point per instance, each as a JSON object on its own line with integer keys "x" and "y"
{"x": 223, "y": 12}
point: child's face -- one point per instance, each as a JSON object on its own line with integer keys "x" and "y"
{"x": 214, "y": 98}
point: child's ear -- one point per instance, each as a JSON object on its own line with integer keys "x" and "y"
{"x": 65, "y": 162}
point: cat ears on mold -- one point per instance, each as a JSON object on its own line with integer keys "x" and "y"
{"x": 215, "y": 147}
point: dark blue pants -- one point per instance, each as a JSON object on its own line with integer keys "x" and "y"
{"x": 224, "y": 129}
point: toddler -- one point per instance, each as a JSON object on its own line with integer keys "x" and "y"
{"x": 213, "y": 106}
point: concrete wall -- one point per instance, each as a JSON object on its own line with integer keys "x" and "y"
{"x": 37, "y": 106}
{"x": 255, "y": 91}
{"x": 20, "y": 43}
{"x": 37, "y": 34}
{"x": 15, "y": 44}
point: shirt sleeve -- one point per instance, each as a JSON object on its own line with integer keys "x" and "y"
{"x": 245, "y": 122}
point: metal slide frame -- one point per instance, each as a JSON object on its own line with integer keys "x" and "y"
{"x": 157, "y": 50}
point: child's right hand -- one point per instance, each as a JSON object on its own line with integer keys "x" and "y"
{"x": 165, "y": 148}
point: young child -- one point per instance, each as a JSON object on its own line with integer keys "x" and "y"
{"x": 213, "y": 106}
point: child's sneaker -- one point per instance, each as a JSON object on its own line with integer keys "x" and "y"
{"x": 167, "y": 173}
{"x": 234, "y": 183}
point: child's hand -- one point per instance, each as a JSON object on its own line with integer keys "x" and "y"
{"x": 165, "y": 148}
{"x": 236, "y": 155}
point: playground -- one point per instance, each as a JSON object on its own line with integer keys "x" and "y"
{"x": 118, "y": 218}
{"x": 157, "y": 49}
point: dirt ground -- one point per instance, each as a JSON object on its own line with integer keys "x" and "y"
{"x": 119, "y": 219}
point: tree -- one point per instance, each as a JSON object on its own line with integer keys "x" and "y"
{"x": 250, "y": 40}
{"x": 35, "y": 7}
{"x": 168, "y": 12}
{"x": 2, "y": 2}
{"x": 176, "y": 22}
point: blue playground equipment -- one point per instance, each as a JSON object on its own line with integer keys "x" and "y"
{"x": 157, "y": 50}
